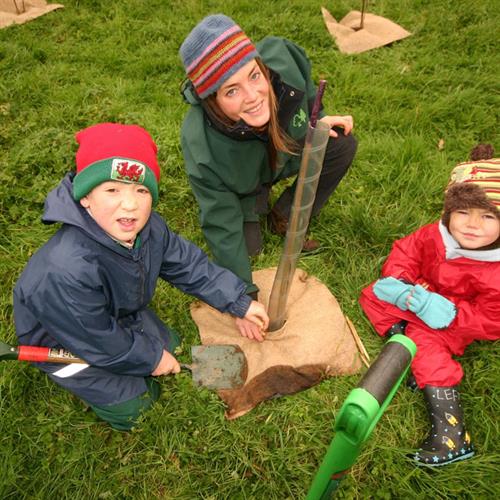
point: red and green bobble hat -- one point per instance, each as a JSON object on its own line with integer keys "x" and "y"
{"x": 115, "y": 152}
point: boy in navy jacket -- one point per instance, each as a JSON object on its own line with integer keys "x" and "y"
{"x": 88, "y": 288}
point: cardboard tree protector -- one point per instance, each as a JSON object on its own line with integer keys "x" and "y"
{"x": 359, "y": 31}
{"x": 309, "y": 338}
{"x": 22, "y": 11}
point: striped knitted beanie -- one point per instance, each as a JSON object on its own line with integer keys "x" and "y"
{"x": 474, "y": 184}
{"x": 484, "y": 174}
{"x": 214, "y": 51}
{"x": 115, "y": 152}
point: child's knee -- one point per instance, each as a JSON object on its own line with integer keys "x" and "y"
{"x": 124, "y": 416}
{"x": 174, "y": 341}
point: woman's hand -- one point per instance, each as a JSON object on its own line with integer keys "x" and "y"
{"x": 168, "y": 364}
{"x": 346, "y": 122}
{"x": 255, "y": 322}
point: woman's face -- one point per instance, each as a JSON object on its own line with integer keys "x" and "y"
{"x": 245, "y": 96}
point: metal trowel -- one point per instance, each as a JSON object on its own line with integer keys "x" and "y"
{"x": 213, "y": 366}
{"x": 218, "y": 366}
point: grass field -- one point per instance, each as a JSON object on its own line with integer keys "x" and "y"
{"x": 419, "y": 107}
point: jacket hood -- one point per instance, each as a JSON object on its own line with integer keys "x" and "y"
{"x": 61, "y": 207}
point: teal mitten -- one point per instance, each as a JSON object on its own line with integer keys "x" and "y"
{"x": 393, "y": 291}
{"x": 433, "y": 309}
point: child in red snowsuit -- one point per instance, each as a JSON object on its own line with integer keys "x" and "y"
{"x": 441, "y": 287}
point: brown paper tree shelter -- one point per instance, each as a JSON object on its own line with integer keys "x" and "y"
{"x": 360, "y": 31}
{"x": 22, "y": 11}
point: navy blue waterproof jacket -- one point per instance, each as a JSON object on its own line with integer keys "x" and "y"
{"x": 86, "y": 293}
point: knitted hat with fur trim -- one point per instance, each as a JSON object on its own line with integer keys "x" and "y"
{"x": 462, "y": 196}
{"x": 485, "y": 174}
{"x": 473, "y": 185}
{"x": 115, "y": 152}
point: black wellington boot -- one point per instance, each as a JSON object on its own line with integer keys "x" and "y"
{"x": 278, "y": 224}
{"x": 448, "y": 441}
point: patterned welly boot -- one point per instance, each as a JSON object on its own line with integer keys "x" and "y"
{"x": 448, "y": 441}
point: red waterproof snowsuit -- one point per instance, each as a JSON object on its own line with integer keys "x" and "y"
{"x": 473, "y": 285}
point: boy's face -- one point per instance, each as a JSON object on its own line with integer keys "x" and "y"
{"x": 474, "y": 228}
{"x": 121, "y": 209}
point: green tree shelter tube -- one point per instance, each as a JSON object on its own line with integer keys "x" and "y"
{"x": 305, "y": 193}
{"x": 360, "y": 413}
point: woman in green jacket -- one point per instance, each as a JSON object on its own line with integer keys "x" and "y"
{"x": 245, "y": 131}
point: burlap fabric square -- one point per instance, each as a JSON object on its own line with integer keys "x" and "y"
{"x": 22, "y": 11}
{"x": 377, "y": 31}
{"x": 316, "y": 342}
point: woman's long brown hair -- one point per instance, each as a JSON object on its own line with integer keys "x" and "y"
{"x": 278, "y": 139}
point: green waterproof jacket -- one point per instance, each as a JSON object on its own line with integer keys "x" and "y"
{"x": 226, "y": 168}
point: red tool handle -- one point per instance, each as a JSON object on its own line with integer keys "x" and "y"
{"x": 49, "y": 354}
{"x": 32, "y": 353}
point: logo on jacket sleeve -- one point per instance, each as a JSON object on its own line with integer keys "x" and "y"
{"x": 127, "y": 170}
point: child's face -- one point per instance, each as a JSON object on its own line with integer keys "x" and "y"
{"x": 121, "y": 209}
{"x": 474, "y": 227}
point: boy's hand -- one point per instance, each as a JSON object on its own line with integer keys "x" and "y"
{"x": 168, "y": 364}
{"x": 255, "y": 322}
{"x": 249, "y": 330}
{"x": 393, "y": 291}
{"x": 433, "y": 309}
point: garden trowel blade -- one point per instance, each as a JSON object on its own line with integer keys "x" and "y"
{"x": 218, "y": 366}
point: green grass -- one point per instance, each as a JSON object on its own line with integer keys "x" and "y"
{"x": 117, "y": 61}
